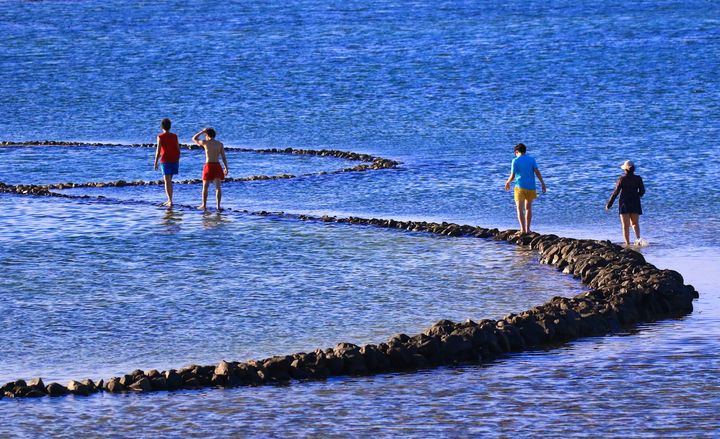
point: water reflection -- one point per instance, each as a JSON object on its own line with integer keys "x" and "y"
{"x": 212, "y": 220}
{"x": 171, "y": 220}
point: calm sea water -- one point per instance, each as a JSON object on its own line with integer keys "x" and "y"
{"x": 98, "y": 288}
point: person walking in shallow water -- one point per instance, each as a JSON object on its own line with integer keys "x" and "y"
{"x": 168, "y": 153}
{"x": 630, "y": 187}
{"x": 212, "y": 171}
{"x": 523, "y": 170}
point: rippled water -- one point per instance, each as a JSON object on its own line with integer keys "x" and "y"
{"x": 94, "y": 288}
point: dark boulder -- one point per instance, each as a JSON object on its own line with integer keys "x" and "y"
{"x": 55, "y": 389}
{"x": 78, "y": 388}
{"x": 36, "y": 384}
{"x": 143, "y": 384}
{"x": 115, "y": 386}
{"x": 277, "y": 368}
{"x": 173, "y": 380}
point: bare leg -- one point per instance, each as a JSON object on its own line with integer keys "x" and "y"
{"x": 218, "y": 193}
{"x": 635, "y": 221}
{"x": 528, "y": 215}
{"x": 203, "y": 206}
{"x": 625, "y": 222}
{"x": 521, "y": 215}
{"x": 168, "y": 189}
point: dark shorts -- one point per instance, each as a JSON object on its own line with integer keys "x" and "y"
{"x": 630, "y": 206}
{"x": 170, "y": 168}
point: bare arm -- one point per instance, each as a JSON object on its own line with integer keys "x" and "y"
{"x": 509, "y": 180}
{"x": 224, "y": 159}
{"x": 614, "y": 194}
{"x": 196, "y": 138}
{"x": 157, "y": 154}
{"x": 542, "y": 182}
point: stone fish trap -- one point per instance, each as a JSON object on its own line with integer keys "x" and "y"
{"x": 624, "y": 290}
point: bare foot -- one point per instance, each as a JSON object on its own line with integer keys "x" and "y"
{"x": 202, "y": 207}
{"x": 220, "y": 209}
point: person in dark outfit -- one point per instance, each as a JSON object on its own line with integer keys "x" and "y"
{"x": 630, "y": 188}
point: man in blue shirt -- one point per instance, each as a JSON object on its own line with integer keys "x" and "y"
{"x": 523, "y": 171}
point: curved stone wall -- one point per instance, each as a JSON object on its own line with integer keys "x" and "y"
{"x": 624, "y": 290}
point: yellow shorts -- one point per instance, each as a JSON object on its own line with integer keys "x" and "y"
{"x": 524, "y": 195}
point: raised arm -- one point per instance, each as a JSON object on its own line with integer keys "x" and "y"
{"x": 224, "y": 159}
{"x": 614, "y": 194}
{"x": 196, "y": 138}
{"x": 542, "y": 182}
{"x": 157, "y": 153}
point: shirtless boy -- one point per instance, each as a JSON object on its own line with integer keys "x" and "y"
{"x": 212, "y": 171}
{"x": 168, "y": 152}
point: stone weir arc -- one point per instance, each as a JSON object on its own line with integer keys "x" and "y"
{"x": 624, "y": 290}
{"x": 369, "y": 163}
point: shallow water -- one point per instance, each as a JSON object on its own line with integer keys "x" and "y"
{"x": 81, "y": 164}
{"x": 94, "y": 288}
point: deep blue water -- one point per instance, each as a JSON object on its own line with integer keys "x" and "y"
{"x": 447, "y": 88}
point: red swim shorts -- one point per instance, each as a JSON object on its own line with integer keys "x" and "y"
{"x": 212, "y": 171}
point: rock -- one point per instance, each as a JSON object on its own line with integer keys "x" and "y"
{"x": 37, "y": 384}
{"x": 114, "y": 386}
{"x": 87, "y": 382}
{"x": 55, "y": 389}
{"x": 126, "y": 380}
{"x": 223, "y": 368}
{"x": 20, "y": 391}
{"x": 277, "y": 368}
{"x": 335, "y": 364}
{"x": 353, "y": 360}
{"x": 375, "y": 359}
{"x": 427, "y": 346}
{"x": 143, "y": 384}
{"x": 78, "y": 388}
{"x": 158, "y": 383}
{"x": 173, "y": 380}
{"x": 400, "y": 357}
{"x": 454, "y": 348}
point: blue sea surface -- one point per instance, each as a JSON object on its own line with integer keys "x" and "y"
{"x": 98, "y": 287}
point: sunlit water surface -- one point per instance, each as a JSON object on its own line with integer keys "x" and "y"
{"x": 99, "y": 287}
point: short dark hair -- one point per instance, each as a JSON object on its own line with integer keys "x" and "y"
{"x": 165, "y": 124}
{"x": 521, "y": 148}
{"x": 210, "y": 132}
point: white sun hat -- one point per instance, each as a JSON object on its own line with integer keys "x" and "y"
{"x": 627, "y": 165}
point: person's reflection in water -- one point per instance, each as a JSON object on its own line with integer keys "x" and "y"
{"x": 171, "y": 220}
{"x": 213, "y": 220}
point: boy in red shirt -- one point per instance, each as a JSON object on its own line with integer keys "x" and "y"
{"x": 168, "y": 152}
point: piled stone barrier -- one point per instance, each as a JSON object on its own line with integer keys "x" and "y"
{"x": 624, "y": 290}
{"x": 371, "y": 163}
{"x": 375, "y": 162}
